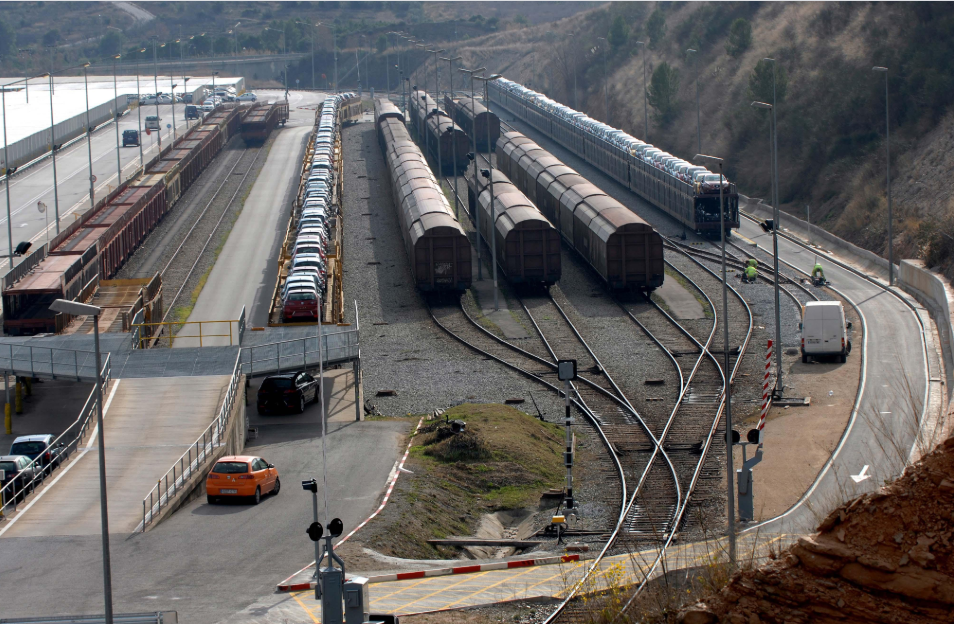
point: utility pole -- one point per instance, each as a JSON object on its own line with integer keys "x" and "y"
{"x": 645, "y": 95}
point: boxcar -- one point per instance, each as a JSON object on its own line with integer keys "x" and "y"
{"x": 623, "y": 249}
{"x": 437, "y": 246}
{"x": 527, "y": 244}
{"x": 432, "y": 125}
{"x": 476, "y": 121}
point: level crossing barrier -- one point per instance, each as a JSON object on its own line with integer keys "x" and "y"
{"x": 156, "y": 617}
{"x": 64, "y": 445}
{"x": 214, "y": 436}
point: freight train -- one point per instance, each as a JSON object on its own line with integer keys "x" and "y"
{"x": 259, "y": 122}
{"x": 622, "y": 248}
{"x": 432, "y": 125}
{"x": 97, "y": 244}
{"x": 478, "y": 122}
{"x": 437, "y": 246}
{"x": 527, "y": 245}
{"x": 686, "y": 192}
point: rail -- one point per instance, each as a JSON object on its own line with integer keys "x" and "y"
{"x": 52, "y": 362}
{"x": 214, "y": 436}
{"x": 66, "y": 443}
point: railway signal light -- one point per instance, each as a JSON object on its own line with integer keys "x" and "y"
{"x": 311, "y": 485}
{"x": 566, "y": 369}
{"x": 314, "y": 531}
{"x": 736, "y": 438}
{"x": 754, "y": 436}
{"x": 335, "y": 527}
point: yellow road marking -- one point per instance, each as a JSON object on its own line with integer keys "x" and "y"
{"x": 466, "y": 578}
{"x": 305, "y": 608}
{"x": 423, "y": 580}
{"x": 477, "y": 593}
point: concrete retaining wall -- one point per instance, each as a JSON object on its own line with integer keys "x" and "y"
{"x": 935, "y": 294}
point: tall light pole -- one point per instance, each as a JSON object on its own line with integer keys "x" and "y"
{"x": 53, "y": 148}
{"x": 142, "y": 163}
{"x": 89, "y": 145}
{"x": 779, "y": 385}
{"x": 887, "y": 164}
{"x": 450, "y": 64}
{"x": 605, "y": 83}
{"x": 173, "y": 105}
{"x": 775, "y": 137}
{"x": 334, "y": 45}
{"x": 727, "y": 372}
{"x": 473, "y": 138}
{"x": 490, "y": 176}
{"x": 234, "y": 32}
{"x": 437, "y": 95}
{"x": 119, "y": 164}
{"x": 645, "y": 94}
{"x": 155, "y": 78}
{"x": 576, "y": 102}
{"x": 81, "y": 309}
{"x": 284, "y": 60}
{"x": 698, "y": 115}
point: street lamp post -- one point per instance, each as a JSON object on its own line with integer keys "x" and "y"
{"x": 450, "y": 64}
{"x": 89, "y": 145}
{"x": 173, "y": 106}
{"x": 779, "y": 385}
{"x": 490, "y": 176}
{"x": 887, "y": 164}
{"x": 8, "y": 173}
{"x": 119, "y": 164}
{"x": 473, "y": 138}
{"x": 81, "y": 309}
{"x": 53, "y": 148}
{"x": 334, "y": 45}
{"x": 605, "y": 83}
{"x": 727, "y": 372}
{"x": 645, "y": 94}
{"x": 155, "y": 78}
{"x": 142, "y": 163}
{"x": 698, "y": 115}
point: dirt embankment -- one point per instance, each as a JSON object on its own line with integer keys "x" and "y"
{"x": 885, "y": 557}
{"x": 503, "y": 461}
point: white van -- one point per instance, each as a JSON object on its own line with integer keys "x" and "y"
{"x": 152, "y": 122}
{"x": 824, "y": 330}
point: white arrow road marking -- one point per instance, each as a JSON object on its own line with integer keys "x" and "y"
{"x": 858, "y": 478}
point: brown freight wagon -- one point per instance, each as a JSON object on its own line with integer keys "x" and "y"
{"x": 527, "y": 244}
{"x": 476, "y": 121}
{"x": 259, "y": 122}
{"x": 625, "y": 250}
{"x": 437, "y": 246}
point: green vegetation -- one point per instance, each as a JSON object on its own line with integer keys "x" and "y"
{"x": 619, "y": 33}
{"x": 504, "y": 460}
{"x": 664, "y": 93}
{"x": 740, "y": 37}
{"x": 8, "y": 39}
{"x": 656, "y": 29}
{"x": 768, "y": 79}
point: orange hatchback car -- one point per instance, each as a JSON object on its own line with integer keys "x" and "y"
{"x": 242, "y": 475}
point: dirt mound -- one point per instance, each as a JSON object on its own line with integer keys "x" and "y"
{"x": 883, "y": 557}
{"x": 448, "y": 446}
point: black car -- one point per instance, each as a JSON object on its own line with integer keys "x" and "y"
{"x": 18, "y": 469}
{"x": 130, "y": 138}
{"x": 287, "y": 391}
{"x": 192, "y": 112}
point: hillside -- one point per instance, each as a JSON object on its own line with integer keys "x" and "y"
{"x": 831, "y": 110}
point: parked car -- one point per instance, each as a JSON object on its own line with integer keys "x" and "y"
{"x": 709, "y": 183}
{"x": 130, "y": 138}
{"x": 19, "y": 470}
{"x": 301, "y": 305}
{"x": 242, "y": 475}
{"x": 39, "y": 447}
{"x": 208, "y": 107}
{"x": 288, "y": 391}
{"x": 248, "y": 96}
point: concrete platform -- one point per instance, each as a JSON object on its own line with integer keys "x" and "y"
{"x": 681, "y": 303}
{"x": 149, "y": 424}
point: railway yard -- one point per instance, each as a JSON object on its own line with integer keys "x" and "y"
{"x": 464, "y": 284}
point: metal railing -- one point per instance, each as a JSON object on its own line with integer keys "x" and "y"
{"x": 155, "y": 617}
{"x": 15, "y": 274}
{"x": 215, "y": 435}
{"x": 136, "y": 327}
{"x": 52, "y": 362}
{"x": 156, "y": 331}
{"x": 274, "y": 357}
{"x": 64, "y": 444}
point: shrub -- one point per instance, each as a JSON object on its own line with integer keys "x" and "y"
{"x": 740, "y": 37}
{"x": 664, "y": 92}
{"x": 656, "y": 29}
{"x": 619, "y": 33}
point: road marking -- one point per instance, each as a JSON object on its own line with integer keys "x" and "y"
{"x": 306, "y": 609}
{"x": 858, "y": 478}
{"x": 89, "y": 445}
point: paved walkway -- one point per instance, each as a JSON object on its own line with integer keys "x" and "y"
{"x": 149, "y": 424}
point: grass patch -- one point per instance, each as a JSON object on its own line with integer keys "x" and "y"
{"x": 504, "y": 460}
{"x": 706, "y": 308}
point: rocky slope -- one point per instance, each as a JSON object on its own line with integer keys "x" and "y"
{"x": 885, "y": 557}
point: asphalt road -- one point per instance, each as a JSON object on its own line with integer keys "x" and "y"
{"x": 245, "y": 271}
{"x": 208, "y": 562}
{"x": 72, "y": 179}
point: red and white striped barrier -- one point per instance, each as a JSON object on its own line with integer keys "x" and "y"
{"x": 765, "y": 389}
{"x": 483, "y": 567}
{"x": 286, "y": 585}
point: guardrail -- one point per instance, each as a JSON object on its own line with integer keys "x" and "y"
{"x": 74, "y": 434}
{"x": 274, "y": 357}
{"x": 52, "y": 362}
{"x": 155, "y": 617}
{"x": 191, "y": 461}
{"x": 139, "y": 336}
